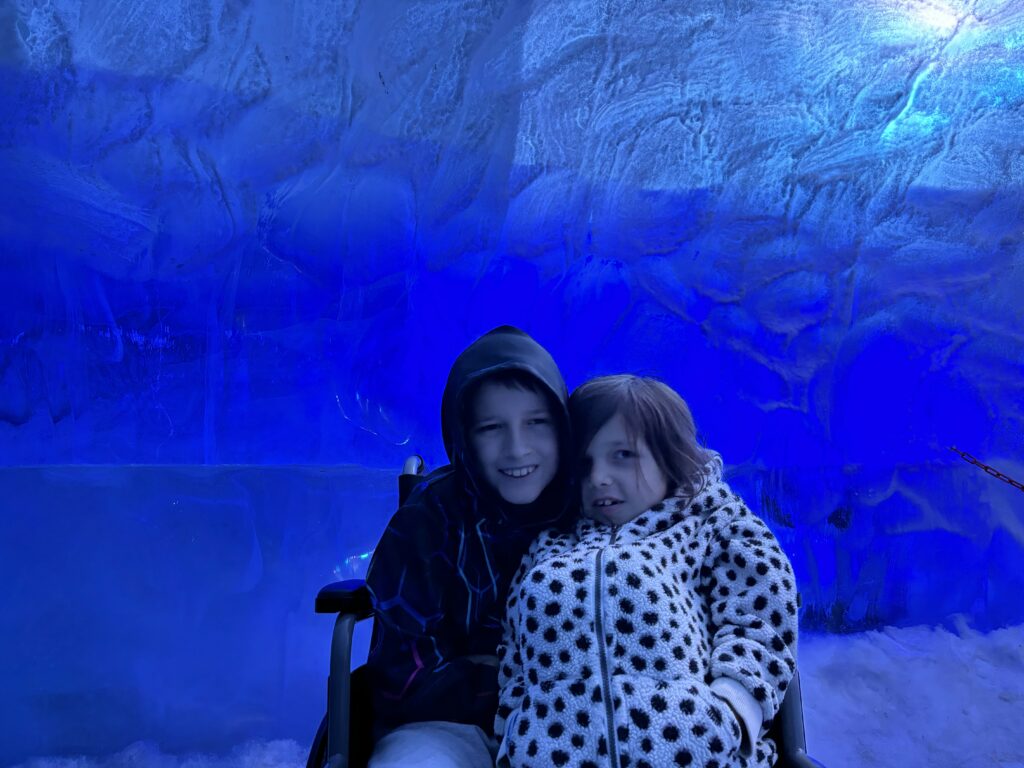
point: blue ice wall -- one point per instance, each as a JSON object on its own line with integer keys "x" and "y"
{"x": 259, "y": 231}
{"x": 256, "y": 233}
{"x": 172, "y": 604}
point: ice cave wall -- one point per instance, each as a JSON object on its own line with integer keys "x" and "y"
{"x": 257, "y": 233}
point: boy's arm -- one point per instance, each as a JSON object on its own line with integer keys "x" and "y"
{"x": 752, "y": 597}
{"x": 415, "y": 675}
{"x": 511, "y": 683}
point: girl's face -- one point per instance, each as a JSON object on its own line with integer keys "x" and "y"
{"x": 620, "y": 479}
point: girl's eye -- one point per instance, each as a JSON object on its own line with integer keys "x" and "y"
{"x": 484, "y": 428}
{"x": 539, "y": 420}
{"x": 624, "y": 454}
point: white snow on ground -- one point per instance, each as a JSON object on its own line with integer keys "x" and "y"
{"x": 913, "y": 698}
{"x": 256, "y": 754}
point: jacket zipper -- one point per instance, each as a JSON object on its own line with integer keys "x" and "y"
{"x": 602, "y": 652}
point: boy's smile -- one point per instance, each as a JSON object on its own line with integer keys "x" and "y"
{"x": 515, "y": 441}
{"x": 519, "y": 471}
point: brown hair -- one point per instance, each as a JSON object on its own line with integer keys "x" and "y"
{"x": 511, "y": 378}
{"x": 654, "y": 412}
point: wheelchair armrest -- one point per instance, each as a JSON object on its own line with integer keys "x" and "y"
{"x": 788, "y": 730}
{"x": 352, "y": 602}
{"x": 349, "y": 597}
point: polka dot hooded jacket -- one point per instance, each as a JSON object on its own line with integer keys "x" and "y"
{"x": 668, "y": 640}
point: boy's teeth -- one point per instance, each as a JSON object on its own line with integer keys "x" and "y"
{"x": 519, "y": 472}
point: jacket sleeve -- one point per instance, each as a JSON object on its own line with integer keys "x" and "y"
{"x": 752, "y": 597}
{"x": 415, "y": 665}
{"x": 511, "y": 681}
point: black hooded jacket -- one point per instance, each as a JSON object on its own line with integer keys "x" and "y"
{"x": 440, "y": 573}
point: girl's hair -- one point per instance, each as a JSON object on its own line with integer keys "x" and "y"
{"x": 653, "y": 412}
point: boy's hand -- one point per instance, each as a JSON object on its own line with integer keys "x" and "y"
{"x": 482, "y": 658}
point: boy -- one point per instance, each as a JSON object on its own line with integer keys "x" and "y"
{"x": 441, "y": 570}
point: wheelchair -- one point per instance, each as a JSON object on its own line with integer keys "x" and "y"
{"x": 343, "y": 738}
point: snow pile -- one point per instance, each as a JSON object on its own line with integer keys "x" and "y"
{"x": 916, "y": 697}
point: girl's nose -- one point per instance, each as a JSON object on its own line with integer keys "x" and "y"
{"x": 598, "y": 475}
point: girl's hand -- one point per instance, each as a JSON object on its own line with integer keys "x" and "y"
{"x": 739, "y": 728}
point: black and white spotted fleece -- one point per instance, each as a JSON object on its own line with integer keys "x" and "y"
{"x": 621, "y": 644}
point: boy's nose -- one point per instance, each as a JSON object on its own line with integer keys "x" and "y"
{"x": 515, "y": 444}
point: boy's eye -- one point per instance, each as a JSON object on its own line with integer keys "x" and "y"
{"x": 539, "y": 420}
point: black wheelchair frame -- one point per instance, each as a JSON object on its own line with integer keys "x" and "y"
{"x": 350, "y": 600}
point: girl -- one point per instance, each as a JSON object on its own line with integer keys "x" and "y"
{"x": 662, "y": 630}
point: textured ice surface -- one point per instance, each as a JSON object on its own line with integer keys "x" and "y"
{"x": 258, "y": 232}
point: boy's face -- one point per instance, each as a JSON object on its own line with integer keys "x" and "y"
{"x": 515, "y": 439}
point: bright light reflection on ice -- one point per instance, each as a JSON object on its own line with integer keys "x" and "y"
{"x": 938, "y": 16}
{"x": 930, "y": 18}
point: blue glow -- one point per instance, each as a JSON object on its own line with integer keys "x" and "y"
{"x": 239, "y": 250}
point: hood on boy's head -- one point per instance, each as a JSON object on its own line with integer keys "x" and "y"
{"x": 503, "y": 349}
